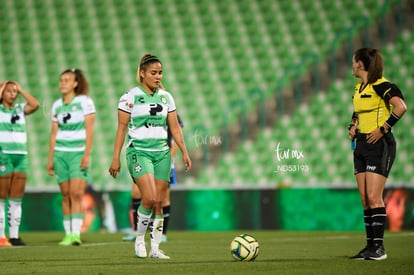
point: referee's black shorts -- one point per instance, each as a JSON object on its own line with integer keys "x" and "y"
{"x": 376, "y": 158}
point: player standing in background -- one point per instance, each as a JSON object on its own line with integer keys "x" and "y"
{"x": 166, "y": 202}
{"x": 145, "y": 112}
{"x": 13, "y": 157}
{"x": 71, "y": 138}
{"x": 378, "y": 105}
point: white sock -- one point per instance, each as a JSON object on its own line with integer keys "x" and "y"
{"x": 77, "y": 220}
{"x": 156, "y": 232}
{"x": 144, "y": 218}
{"x": 67, "y": 224}
{"x": 15, "y": 215}
{"x": 2, "y": 219}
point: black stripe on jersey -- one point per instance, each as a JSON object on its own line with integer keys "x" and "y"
{"x": 387, "y": 90}
{"x": 124, "y": 111}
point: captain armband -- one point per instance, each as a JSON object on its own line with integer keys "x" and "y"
{"x": 392, "y": 120}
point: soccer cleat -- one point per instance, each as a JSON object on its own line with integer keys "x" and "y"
{"x": 361, "y": 254}
{"x": 140, "y": 250}
{"x": 16, "y": 242}
{"x": 76, "y": 239}
{"x": 129, "y": 238}
{"x": 4, "y": 242}
{"x": 377, "y": 254}
{"x": 67, "y": 240}
{"x": 164, "y": 238}
{"x": 159, "y": 254}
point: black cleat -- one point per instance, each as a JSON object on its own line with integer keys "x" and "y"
{"x": 16, "y": 242}
{"x": 361, "y": 254}
{"x": 377, "y": 253}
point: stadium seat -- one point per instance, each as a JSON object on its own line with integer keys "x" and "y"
{"x": 212, "y": 60}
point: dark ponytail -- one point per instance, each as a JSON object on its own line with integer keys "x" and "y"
{"x": 373, "y": 62}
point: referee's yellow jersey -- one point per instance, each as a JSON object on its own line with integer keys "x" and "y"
{"x": 370, "y": 106}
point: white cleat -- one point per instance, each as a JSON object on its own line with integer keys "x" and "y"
{"x": 158, "y": 255}
{"x": 140, "y": 250}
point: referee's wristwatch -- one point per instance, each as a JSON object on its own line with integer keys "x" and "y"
{"x": 383, "y": 130}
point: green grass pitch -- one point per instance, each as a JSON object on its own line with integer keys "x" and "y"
{"x": 281, "y": 252}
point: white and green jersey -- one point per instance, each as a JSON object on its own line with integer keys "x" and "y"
{"x": 147, "y": 128}
{"x": 13, "y": 138}
{"x": 71, "y": 135}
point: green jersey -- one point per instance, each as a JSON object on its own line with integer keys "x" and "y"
{"x": 71, "y": 135}
{"x": 13, "y": 138}
{"x": 147, "y": 128}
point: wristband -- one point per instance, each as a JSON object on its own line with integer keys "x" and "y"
{"x": 392, "y": 120}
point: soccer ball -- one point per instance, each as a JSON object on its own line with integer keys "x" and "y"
{"x": 244, "y": 248}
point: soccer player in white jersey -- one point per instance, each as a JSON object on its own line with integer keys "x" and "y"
{"x": 70, "y": 146}
{"x": 145, "y": 112}
{"x": 13, "y": 156}
{"x": 166, "y": 203}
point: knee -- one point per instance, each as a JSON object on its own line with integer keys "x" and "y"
{"x": 156, "y": 202}
{"x": 76, "y": 195}
{"x": 147, "y": 203}
{"x": 65, "y": 197}
{"x": 374, "y": 202}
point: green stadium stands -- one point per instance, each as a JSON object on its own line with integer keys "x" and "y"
{"x": 214, "y": 53}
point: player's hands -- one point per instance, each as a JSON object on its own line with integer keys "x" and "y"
{"x": 115, "y": 167}
{"x": 18, "y": 87}
{"x": 374, "y": 136}
{"x": 2, "y": 87}
{"x": 352, "y": 132}
{"x": 50, "y": 169}
{"x": 187, "y": 162}
{"x": 84, "y": 162}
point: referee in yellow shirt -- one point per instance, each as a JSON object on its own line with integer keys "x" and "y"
{"x": 378, "y": 105}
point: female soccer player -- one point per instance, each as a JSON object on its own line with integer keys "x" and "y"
{"x": 70, "y": 146}
{"x": 166, "y": 202}
{"x": 146, "y": 111}
{"x": 13, "y": 156}
{"x": 378, "y": 105}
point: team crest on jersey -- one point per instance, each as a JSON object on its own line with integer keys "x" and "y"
{"x": 163, "y": 99}
{"x": 129, "y": 104}
{"x": 2, "y": 168}
{"x": 138, "y": 168}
